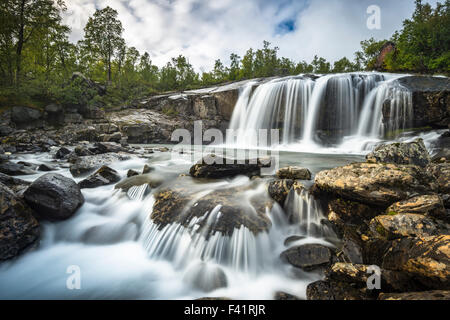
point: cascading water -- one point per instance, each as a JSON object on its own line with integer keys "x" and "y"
{"x": 328, "y": 111}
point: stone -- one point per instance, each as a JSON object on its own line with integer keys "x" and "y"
{"x": 331, "y": 290}
{"x": 152, "y": 180}
{"x": 414, "y": 153}
{"x": 18, "y": 228}
{"x": 396, "y": 226}
{"x": 429, "y": 205}
{"x": 88, "y": 164}
{"x": 62, "y": 153}
{"x": 15, "y": 169}
{"x": 15, "y": 184}
{"x": 54, "y": 197}
{"x": 46, "y": 167}
{"x": 26, "y": 117}
{"x": 147, "y": 169}
{"x": 422, "y": 295}
{"x": 374, "y": 183}
{"x": 132, "y": 173}
{"x": 294, "y": 173}
{"x": 216, "y": 167}
{"x": 102, "y": 177}
{"x": 283, "y": 296}
{"x": 206, "y": 277}
{"x": 279, "y": 189}
{"x": 106, "y": 147}
{"x": 308, "y": 256}
{"x": 441, "y": 172}
{"x": 425, "y": 258}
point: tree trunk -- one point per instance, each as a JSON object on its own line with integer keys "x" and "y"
{"x": 20, "y": 42}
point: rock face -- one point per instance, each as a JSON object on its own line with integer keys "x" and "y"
{"x": 375, "y": 184}
{"x": 401, "y": 153}
{"x": 182, "y": 201}
{"x": 308, "y": 257}
{"x": 54, "y": 197}
{"x": 430, "y": 205}
{"x": 426, "y": 258}
{"x": 215, "y": 167}
{"x": 392, "y": 227}
{"x": 18, "y": 228}
{"x": 431, "y": 100}
{"x": 295, "y": 173}
{"x": 102, "y": 177}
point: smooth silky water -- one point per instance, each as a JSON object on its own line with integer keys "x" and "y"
{"x": 122, "y": 254}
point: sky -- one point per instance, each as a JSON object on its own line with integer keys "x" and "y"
{"x": 206, "y": 30}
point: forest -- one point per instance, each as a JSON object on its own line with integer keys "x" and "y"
{"x": 37, "y": 59}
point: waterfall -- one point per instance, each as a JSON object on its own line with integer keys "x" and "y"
{"x": 323, "y": 111}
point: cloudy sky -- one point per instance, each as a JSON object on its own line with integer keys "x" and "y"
{"x": 204, "y": 30}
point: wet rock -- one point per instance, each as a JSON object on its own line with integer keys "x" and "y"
{"x": 392, "y": 227}
{"x": 375, "y": 184}
{"x": 87, "y": 164}
{"x": 426, "y": 258}
{"x": 46, "y": 167}
{"x": 295, "y": 173}
{"x": 289, "y": 240}
{"x": 15, "y": 169}
{"x": 132, "y": 173}
{"x": 18, "y": 228}
{"x": 308, "y": 256}
{"x": 229, "y": 208}
{"x": 62, "y": 153}
{"x": 441, "y": 172}
{"x": 102, "y": 177}
{"x": 206, "y": 277}
{"x": 147, "y": 169}
{"x": 414, "y": 153}
{"x": 106, "y": 147}
{"x": 16, "y": 185}
{"x": 430, "y": 205}
{"x": 152, "y": 180}
{"x": 332, "y": 290}
{"x": 423, "y": 295}
{"x": 82, "y": 151}
{"x": 54, "y": 197}
{"x": 215, "y": 167}
{"x": 113, "y": 137}
{"x": 279, "y": 189}
{"x": 283, "y": 296}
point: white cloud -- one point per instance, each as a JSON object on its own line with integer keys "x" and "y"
{"x": 204, "y": 30}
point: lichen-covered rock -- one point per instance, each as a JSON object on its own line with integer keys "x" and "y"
{"x": 229, "y": 208}
{"x": 18, "y": 228}
{"x": 102, "y": 177}
{"x": 421, "y": 295}
{"x": 216, "y": 167}
{"x": 414, "y": 153}
{"x": 374, "y": 183}
{"x": 333, "y": 290}
{"x": 88, "y": 164}
{"x": 441, "y": 172}
{"x": 430, "y": 205}
{"x": 396, "y": 226}
{"x": 279, "y": 189}
{"x": 426, "y": 258}
{"x": 294, "y": 173}
{"x": 308, "y": 256}
{"x": 54, "y": 197}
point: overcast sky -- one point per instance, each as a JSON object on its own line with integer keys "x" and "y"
{"x": 204, "y": 30}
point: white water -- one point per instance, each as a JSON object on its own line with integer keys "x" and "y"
{"x": 349, "y": 107}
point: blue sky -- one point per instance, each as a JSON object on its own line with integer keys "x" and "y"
{"x": 204, "y": 30}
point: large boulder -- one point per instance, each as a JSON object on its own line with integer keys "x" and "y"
{"x": 375, "y": 183}
{"x": 18, "y": 228}
{"x": 102, "y": 177}
{"x": 396, "y": 226}
{"x": 88, "y": 164}
{"x": 216, "y": 167}
{"x": 430, "y": 99}
{"x": 26, "y": 117}
{"x": 430, "y": 205}
{"x": 308, "y": 256}
{"x": 426, "y": 258}
{"x": 218, "y": 210}
{"x": 54, "y": 197}
{"x": 401, "y": 153}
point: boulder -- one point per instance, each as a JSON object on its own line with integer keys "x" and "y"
{"x": 215, "y": 167}
{"x": 46, "y": 167}
{"x": 147, "y": 169}
{"x": 206, "y": 277}
{"x": 294, "y": 173}
{"x": 229, "y": 208}
{"x": 426, "y": 258}
{"x": 308, "y": 256}
{"x": 88, "y": 164}
{"x": 401, "y": 153}
{"x": 132, "y": 173}
{"x": 283, "y": 296}
{"x": 152, "y": 180}
{"x": 26, "y": 117}
{"x": 441, "y": 172}
{"x": 332, "y": 290}
{"x": 62, "y": 153}
{"x": 54, "y": 114}
{"x": 279, "y": 189}
{"x": 15, "y": 169}
{"x": 54, "y": 197}
{"x": 430, "y": 205}
{"x": 396, "y": 226}
{"x": 375, "y": 183}
{"x": 422, "y": 295}
{"x": 102, "y": 177}
{"x": 105, "y": 147}
{"x": 18, "y": 228}
{"x": 16, "y": 185}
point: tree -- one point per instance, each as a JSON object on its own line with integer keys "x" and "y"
{"x": 247, "y": 65}
{"x": 320, "y": 65}
{"x": 366, "y": 58}
{"x": 103, "y": 36}
{"x": 234, "y": 67}
{"x": 344, "y": 65}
